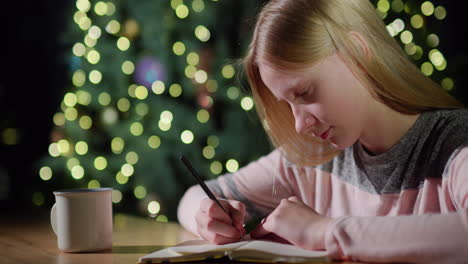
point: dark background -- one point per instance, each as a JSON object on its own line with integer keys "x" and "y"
{"x": 34, "y": 77}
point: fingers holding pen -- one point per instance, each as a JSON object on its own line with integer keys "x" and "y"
{"x": 217, "y": 226}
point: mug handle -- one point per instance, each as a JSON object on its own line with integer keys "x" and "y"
{"x": 53, "y": 217}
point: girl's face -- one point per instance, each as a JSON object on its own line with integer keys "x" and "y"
{"x": 327, "y": 100}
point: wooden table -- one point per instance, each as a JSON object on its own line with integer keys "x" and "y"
{"x": 29, "y": 241}
{"x": 33, "y": 241}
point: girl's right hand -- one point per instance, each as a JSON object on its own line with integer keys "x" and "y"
{"x": 214, "y": 225}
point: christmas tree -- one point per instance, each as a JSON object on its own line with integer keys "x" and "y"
{"x": 151, "y": 80}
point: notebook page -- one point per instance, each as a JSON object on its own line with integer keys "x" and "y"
{"x": 187, "y": 250}
{"x": 281, "y": 249}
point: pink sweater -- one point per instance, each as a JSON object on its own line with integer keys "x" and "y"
{"x": 421, "y": 219}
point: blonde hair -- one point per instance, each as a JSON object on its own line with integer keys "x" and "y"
{"x": 293, "y": 34}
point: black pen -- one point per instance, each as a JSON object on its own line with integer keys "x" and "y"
{"x": 200, "y": 181}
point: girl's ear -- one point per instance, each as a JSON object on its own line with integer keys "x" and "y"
{"x": 362, "y": 43}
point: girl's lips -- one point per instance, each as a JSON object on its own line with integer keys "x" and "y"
{"x": 325, "y": 134}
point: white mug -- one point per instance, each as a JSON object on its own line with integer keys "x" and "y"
{"x": 82, "y": 219}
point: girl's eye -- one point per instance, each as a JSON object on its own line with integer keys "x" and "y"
{"x": 302, "y": 93}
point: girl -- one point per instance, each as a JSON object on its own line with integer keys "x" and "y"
{"x": 371, "y": 156}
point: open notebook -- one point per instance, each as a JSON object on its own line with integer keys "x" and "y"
{"x": 247, "y": 251}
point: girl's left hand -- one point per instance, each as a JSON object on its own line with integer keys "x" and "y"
{"x": 295, "y": 222}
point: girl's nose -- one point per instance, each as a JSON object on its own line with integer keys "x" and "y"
{"x": 303, "y": 121}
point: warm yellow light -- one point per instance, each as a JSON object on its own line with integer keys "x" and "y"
{"x": 117, "y": 145}
{"x": 182, "y": 11}
{"x": 247, "y": 103}
{"x": 104, "y": 99}
{"x": 397, "y": 5}
{"x": 128, "y": 67}
{"x": 78, "y": 16}
{"x": 417, "y": 21}
{"x": 141, "y": 92}
{"x": 72, "y": 162}
{"x": 100, "y": 8}
{"x": 216, "y": 167}
{"x": 63, "y": 146}
{"x": 233, "y": 93}
{"x": 203, "y": 116}
{"x": 175, "y": 90}
{"x": 77, "y": 172}
{"x": 120, "y": 178}
{"x": 208, "y": 152}
{"x": 123, "y": 43}
{"x": 136, "y": 129}
{"x": 418, "y": 52}
{"x": 131, "y": 90}
{"x": 59, "y": 119}
{"x": 109, "y": 115}
{"x": 90, "y": 42}
{"x": 94, "y": 32}
{"x": 202, "y": 33}
{"x": 228, "y": 71}
{"x": 447, "y": 84}
{"x": 116, "y": 196}
{"x": 427, "y": 8}
{"x": 113, "y": 27}
{"x": 100, "y": 163}
{"x": 79, "y": 78}
{"x": 110, "y": 9}
{"x": 201, "y": 76}
{"x": 85, "y": 122}
{"x": 212, "y": 86}
{"x": 81, "y": 148}
{"x": 232, "y": 165}
{"x": 94, "y": 184}
{"x": 190, "y": 71}
{"x": 53, "y": 150}
{"x": 93, "y": 57}
{"x": 83, "y": 5}
{"x": 187, "y": 136}
{"x": 79, "y": 49}
{"x": 84, "y": 23}
{"x": 198, "y": 5}
{"x": 83, "y": 97}
{"x": 158, "y": 87}
{"x": 139, "y": 192}
{"x": 154, "y": 207}
{"x": 71, "y": 114}
{"x": 193, "y": 58}
{"x": 45, "y": 173}
{"x": 440, "y": 12}
{"x": 127, "y": 170}
{"x": 142, "y": 109}
{"x": 176, "y": 3}
{"x": 70, "y": 99}
{"x": 123, "y": 104}
{"x": 398, "y": 25}
{"x": 427, "y": 68}
{"x": 166, "y": 116}
{"x": 154, "y": 142}
{"x": 178, "y": 48}
{"x": 432, "y": 40}
{"x": 383, "y": 6}
{"x": 406, "y": 37}
{"x": 164, "y": 126}
{"x": 95, "y": 76}
{"x": 436, "y": 57}
{"x": 213, "y": 141}
{"x": 131, "y": 157}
